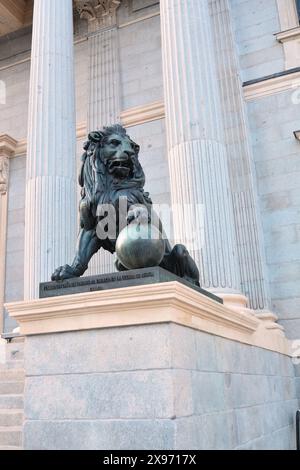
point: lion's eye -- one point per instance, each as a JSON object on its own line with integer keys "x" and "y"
{"x": 115, "y": 143}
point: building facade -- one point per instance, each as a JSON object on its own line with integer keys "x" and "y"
{"x": 210, "y": 90}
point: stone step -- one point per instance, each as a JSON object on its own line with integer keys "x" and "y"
{"x": 11, "y": 402}
{"x": 11, "y": 436}
{"x": 11, "y": 418}
{"x": 12, "y": 375}
{"x": 15, "y": 388}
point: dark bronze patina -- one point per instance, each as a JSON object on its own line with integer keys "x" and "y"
{"x": 111, "y": 171}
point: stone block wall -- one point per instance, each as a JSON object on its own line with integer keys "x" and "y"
{"x": 141, "y": 63}
{"x": 15, "y": 235}
{"x": 14, "y": 111}
{"x": 156, "y": 387}
{"x": 153, "y": 157}
{"x": 273, "y": 120}
{"x": 256, "y": 22}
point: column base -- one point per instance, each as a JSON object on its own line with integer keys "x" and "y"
{"x": 270, "y": 322}
{"x": 233, "y": 300}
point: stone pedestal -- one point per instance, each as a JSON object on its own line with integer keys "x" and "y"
{"x": 152, "y": 367}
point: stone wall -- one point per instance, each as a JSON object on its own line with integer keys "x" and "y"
{"x": 140, "y": 63}
{"x": 13, "y": 116}
{"x": 256, "y": 22}
{"x": 153, "y": 157}
{"x": 156, "y": 387}
{"x": 273, "y": 120}
{"x": 15, "y": 236}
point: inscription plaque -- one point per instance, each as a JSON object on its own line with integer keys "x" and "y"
{"x": 117, "y": 280}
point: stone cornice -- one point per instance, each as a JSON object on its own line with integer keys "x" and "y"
{"x": 7, "y": 145}
{"x": 288, "y": 35}
{"x": 140, "y": 305}
{"x": 142, "y": 114}
{"x": 272, "y": 86}
{"x": 130, "y": 117}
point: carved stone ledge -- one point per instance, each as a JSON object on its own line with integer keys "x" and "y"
{"x": 101, "y": 12}
{"x": 169, "y": 302}
{"x": 7, "y": 150}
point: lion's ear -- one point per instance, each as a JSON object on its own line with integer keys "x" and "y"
{"x": 96, "y": 136}
{"x": 137, "y": 149}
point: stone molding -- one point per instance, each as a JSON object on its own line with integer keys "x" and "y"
{"x": 142, "y": 114}
{"x": 81, "y": 131}
{"x": 21, "y": 147}
{"x": 288, "y": 35}
{"x": 141, "y": 305}
{"x": 138, "y": 20}
{"x": 272, "y": 86}
{"x": 131, "y": 117}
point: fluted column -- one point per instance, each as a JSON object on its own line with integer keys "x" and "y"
{"x": 254, "y": 279}
{"x": 200, "y": 186}
{"x": 50, "y": 215}
{"x": 7, "y": 149}
{"x": 104, "y": 105}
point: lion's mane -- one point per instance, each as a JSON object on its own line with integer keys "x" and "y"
{"x": 97, "y": 185}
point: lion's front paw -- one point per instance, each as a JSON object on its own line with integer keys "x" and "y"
{"x": 63, "y": 272}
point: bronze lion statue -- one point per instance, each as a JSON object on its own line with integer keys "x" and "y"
{"x": 111, "y": 172}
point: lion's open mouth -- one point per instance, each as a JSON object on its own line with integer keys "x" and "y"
{"x": 120, "y": 168}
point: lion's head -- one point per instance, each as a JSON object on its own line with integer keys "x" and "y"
{"x": 119, "y": 152}
{"x": 114, "y": 156}
{"x": 110, "y": 162}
